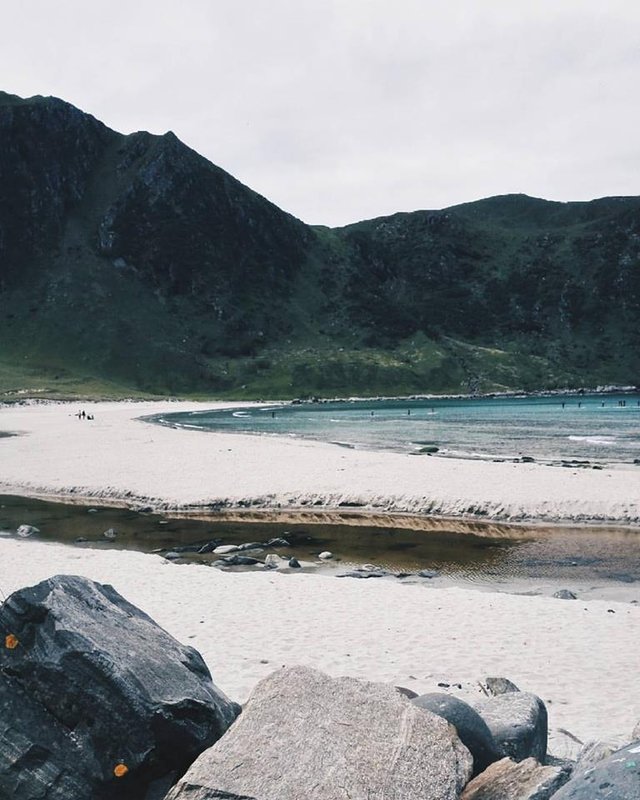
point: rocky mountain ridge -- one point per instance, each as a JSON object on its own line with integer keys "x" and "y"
{"x": 130, "y": 262}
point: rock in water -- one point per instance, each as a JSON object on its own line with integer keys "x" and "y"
{"x": 24, "y": 531}
{"x": 94, "y": 694}
{"x": 471, "y": 728}
{"x": 506, "y": 780}
{"x": 518, "y": 722}
{"x": 615, "y": 778}
{"x": 306, "y": 735}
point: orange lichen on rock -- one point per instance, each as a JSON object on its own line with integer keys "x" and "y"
{"x": 120, "y": 770}
{"x": 11, "y": 641}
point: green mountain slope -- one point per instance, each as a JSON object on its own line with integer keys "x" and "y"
{"x": 132, "y": 264}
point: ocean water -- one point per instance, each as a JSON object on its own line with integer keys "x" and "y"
{"x": 599, "y": 428}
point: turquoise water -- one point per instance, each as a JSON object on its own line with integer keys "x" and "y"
{"x": 601, "y": 429}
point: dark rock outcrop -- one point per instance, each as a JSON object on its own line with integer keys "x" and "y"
{"x": 471, "y": 728}
{"x": 305, "y": 735}
{"x": 98, "y": 701}
{"x": 616, "y": 777}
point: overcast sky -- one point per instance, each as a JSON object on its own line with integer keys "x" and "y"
{"x": 340, "y": 110}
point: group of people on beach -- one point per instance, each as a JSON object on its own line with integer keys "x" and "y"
{"x": 83, "y": 415}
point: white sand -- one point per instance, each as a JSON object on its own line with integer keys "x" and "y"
{"x": 577, "y": 655}
{"x": 118, "y": 456}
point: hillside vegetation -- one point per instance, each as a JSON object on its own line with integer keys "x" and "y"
{"x": 132, "y": 265}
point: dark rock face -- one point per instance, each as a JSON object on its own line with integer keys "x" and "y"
{"x": 617, "y": 777}
{"x": 305, "y": 735}
{"x": 97, "y": 700}
{"x": 506, "y": 780}
{"x": 518, "y": 722}
{"x": 471, "y": 728}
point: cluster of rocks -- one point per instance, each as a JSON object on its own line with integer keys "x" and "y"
{"x": 239, "y": 555}
{"x": 99, "y": 702}
{"x": 374, "y": 571}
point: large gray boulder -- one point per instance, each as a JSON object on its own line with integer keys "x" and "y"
{"x": 304, "y": 735}
{"x": 94, "y": 694}
{"x": 471, "y": 728}
{"x": 615, "y": 778}
{"x": 508, "y": 780}
{"x": 518, "y": 723}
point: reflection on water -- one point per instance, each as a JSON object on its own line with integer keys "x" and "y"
{"x": 558, "y": 554}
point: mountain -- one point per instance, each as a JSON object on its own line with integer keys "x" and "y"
{"x": 132, "y": 264}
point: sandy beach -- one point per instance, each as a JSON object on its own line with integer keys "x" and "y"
{"x": 119, "y": 457}
{"x": 580, "y": 656}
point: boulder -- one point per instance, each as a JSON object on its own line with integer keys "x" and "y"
{"x": 471, "y": 728}
{"x": 615, "y": 778}
{"x": 223, "y": 549}
{"x": 272, "y": 561}
{"x": 508, "y": 780}
{"x": 518, "y": 722}
{"x": 93, "y": 693}
{"x": 305, "y": 735}
{"x": 293, "y": 563}
{"x": 325, "y": 555}
{"x": 496, "y": 686}
{"x": 635, "y": 733}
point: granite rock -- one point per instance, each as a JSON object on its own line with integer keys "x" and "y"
{"x": 306, "y": 735}
{"x": 508, "y": 780}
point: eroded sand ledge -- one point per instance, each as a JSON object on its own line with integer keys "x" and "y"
{"x": 122, "y": 459}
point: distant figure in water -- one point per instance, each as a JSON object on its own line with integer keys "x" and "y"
{"x": 408, "y": 412}
{"x": 372, "y": 413}
{"x": 563, "y": 405}
{"x": 273, "y": 415}
{"x": 579, "y": 405}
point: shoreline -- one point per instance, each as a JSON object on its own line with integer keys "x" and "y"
{"x": 119, "y": 458}
{"x": 415, "y": 635}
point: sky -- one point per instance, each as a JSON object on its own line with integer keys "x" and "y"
{"x": 342, "y": 110}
